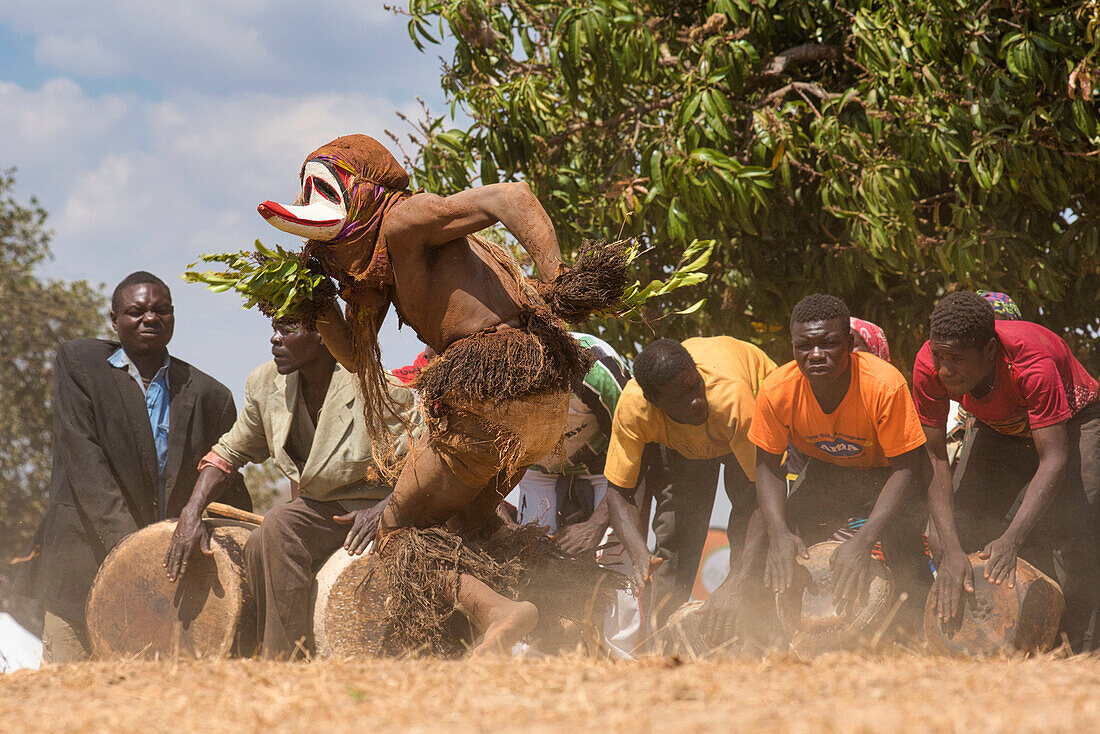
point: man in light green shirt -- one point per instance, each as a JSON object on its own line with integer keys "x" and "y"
{"x": 304, "y": 411}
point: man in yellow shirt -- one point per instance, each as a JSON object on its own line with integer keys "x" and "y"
{"x": 696, "y": 399}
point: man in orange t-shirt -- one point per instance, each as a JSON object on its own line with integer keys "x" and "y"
{"x": 852, "y": 415}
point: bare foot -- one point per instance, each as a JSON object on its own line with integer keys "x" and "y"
{"x": 508, "y": 625}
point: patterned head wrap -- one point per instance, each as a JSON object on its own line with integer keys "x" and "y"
{"x": 1004, "y": 308}
{"x": 874, "y": 337}
{"x": 374, "y": 183}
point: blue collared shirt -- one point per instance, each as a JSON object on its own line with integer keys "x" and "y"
{"x": 156, "y": 403}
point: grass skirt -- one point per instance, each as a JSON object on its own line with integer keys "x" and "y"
{"x": 416, "y": 568}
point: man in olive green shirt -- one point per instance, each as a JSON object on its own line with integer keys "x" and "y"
{"x": 305, "y": 412}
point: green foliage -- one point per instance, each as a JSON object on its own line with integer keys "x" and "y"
{"x": 883, "y": 151}
{"x": 687, "y": 273}
{"x": 266, "y": 485}
{"x": 37, "y": 316}
{"x": 277, "y": 281}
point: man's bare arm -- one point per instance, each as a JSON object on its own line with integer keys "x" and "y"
{"x": 436, "y": 220}
{"x": 850, "y": 562}
{"x": 336, "y": 334}
{"x": 190, "y": 533}
{"x": 954, "y": 573}
{"x": 771, "y": 498}
{"x": 626, "y": 522}
{"x": 584, "y": 536}
{"x": 904, "y": 469}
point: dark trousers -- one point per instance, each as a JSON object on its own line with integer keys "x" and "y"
{"x": 282, "y": 557}
{"x": 990, "y": 478}
{"x": 826, "y": 496}
{"x": 681, "y": 522}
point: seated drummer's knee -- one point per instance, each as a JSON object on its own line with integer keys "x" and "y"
{"x": 253, "y": 545}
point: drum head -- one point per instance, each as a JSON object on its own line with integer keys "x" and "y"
{"x": 135, "y": 611}
{"x": 808, "y": 615}
{"x": 997, "y": 619}
{"x": 348, "y": 607}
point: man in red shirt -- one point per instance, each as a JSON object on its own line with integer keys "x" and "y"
{"x": 1029, "y": 480}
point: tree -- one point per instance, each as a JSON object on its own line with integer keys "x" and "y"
{"x": 266, "y": 485}
{"x": 883, "y": 151}
{"x": 36, "y": 315}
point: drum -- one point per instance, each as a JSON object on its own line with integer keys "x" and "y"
{"x": 808, "y": 615}
{"x": 681, "y": 634}
{"x": 135, "y": 611}
{"x": 343, "y": 621}
{"x": 349, "y": 610}
{"x": 998, "y": 619}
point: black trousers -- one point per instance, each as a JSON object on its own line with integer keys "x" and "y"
{"x": 990, "y": 479}
{"x": 826, "y": 496}
{"x": 681, "y": 521}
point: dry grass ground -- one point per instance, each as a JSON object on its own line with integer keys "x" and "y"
{"x": 842, "y": 692}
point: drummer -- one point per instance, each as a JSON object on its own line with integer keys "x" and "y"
{"x": 303, "y": 410}
{"x": 852, "y": 415}
{"x": 1027, "y": 477}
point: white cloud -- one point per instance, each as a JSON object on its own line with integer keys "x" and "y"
{"x": 258, "y": 142}
{"x": 217, "y": 45}
{"x": 58, "y": 122}
{"x": 82, "y": 54}
{"x": 127, "y": 36}
{"x": 122, "y": 167}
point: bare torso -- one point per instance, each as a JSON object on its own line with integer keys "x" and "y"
{"x": 448, "y": 291}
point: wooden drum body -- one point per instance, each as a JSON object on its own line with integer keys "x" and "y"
{"x": 348, "y": 607}
{"x": 808, "y": 615}
{"x": 135, "y": 611}
{"x": 998, "y": 619}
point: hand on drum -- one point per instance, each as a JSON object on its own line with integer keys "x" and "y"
{"x": 1001, "y": 554}
{"x": 720, "y": 611}
{"x": 779, "y": 571}
{"x": 364, "y": 526}
{"x": 643, "y": 572}
{"x": 850, "y": 568}
{"x": 190, "y": 533}
{"x": 579, "y": 538}
{"x": 953, "y": 577}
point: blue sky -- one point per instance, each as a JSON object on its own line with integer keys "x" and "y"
{"x": 150, "y": 131}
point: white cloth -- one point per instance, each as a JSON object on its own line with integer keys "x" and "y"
{"x": 18, "y": 647}
{"x": 622, "y": 624}
{"x": 536, "y": 501}
{"x": 952, "y": 415}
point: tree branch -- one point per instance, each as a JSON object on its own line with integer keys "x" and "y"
{"x": 803, "y": 88}
{"x": 614, "y": 122}
{"x": 797, "y": 56}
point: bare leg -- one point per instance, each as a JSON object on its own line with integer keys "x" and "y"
{"x": 503, "y": 622}
{"x": 427, "y": 493}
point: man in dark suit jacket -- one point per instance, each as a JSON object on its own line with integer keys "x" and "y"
{"x": 130, "y": 426}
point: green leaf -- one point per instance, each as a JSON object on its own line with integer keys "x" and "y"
{"x": 692, "y": 308}
{"x": 715, "y": 158}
